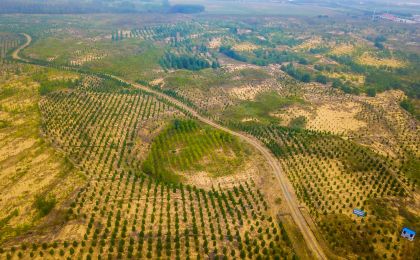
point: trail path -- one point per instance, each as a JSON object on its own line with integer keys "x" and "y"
{"x": 286, "y": 187}
{"x": 15, "y": 54}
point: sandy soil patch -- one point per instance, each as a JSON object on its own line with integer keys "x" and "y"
{"x": 205, "y": 180}
{"x": 157, "y": 82}
{"x": 72, "y": 231}
{"x": 354, "y": 78}
{"x": 250, "y": 170}
{"x": 237, "y": 67}
{"x": 249, "y": 119}
{"x": 309, "y": 44}
{"x": 291, "y": 113}
{"x": 244, "y": 46}
{"x": 337, "y": 119}
{"x": 53, "y": 58}
{"x": 63, "y": 76}
{"x": 215, "y": 43}
{"x": 247, "y": 92}
{"x": 342, "y": 49}
{"x": 15, "y": 147}
{"x": 370, "y": 60}
{"x": 86, "y": 58}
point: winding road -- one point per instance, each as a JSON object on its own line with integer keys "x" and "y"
{"x": 286, "y": 187}
{"x": 15, "y": 54}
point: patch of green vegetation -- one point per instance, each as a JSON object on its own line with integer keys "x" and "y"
{"x": 46, "y": 47}
{"x": 5, "y": 220}
{"x": 380, "y": 209}
{"x": 185, "y": 146}
{"x": 44, "y": 204}
{"x": 411, "y": 168}
{"x": 261, "y": 108}
{"x": 408, "y": 106}
{"x": 380, "y": 78}
{"x": 208, "y": 78}
{"x": 4, "y": 124}
{"x": 184, "y": 61}
{"x": 280, "y": 38}
{"x": 6, "y": 92}
{"x": 251, "y": 74}
{"x": 262, "y": 57}
{"x": 297, "y": 73}
{"x": 47, "y": 86}
{"x": 133, "y": 60}
{"x": 298, "y": 122}
{"x": 203, "y": 79}
{"x": 371, "y": 92}
{"x": 343, "y": 236}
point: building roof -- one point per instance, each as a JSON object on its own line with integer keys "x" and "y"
{"x": 409, "y": 231}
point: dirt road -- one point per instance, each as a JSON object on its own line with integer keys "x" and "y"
{"x": 286, "y": 187}
{"x": 15, "y": 54}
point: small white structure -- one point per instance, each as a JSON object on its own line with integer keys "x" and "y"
{"x": 408, "y": 233}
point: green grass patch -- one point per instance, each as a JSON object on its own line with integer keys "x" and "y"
{"x": 208, "y": 78}
{"x": 131, "y": 60}
{"x": 186, "y": 146}
{"x": 44, "y": 204}
{"x": 204, "y": 79}
{"x": 262, "y": 108}
{"x": 298, "y": 122}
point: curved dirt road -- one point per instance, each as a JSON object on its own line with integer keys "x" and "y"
{"x": 285, "y": 185}
{"x": 15, "y": 54}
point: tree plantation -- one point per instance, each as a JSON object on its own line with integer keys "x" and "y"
{"x": 209, "y": 130}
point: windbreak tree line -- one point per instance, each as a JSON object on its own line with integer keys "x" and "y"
{"x": 188, "y": 62}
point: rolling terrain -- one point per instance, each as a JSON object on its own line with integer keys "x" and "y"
{"x": 209, "y": 136}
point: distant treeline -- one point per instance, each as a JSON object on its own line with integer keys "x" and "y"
{"x": 91, "y": 6}
{"x": 55, "y": 7}
{"x": 186, "y": 9}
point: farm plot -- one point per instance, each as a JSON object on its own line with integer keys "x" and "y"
{"x": 97, "y": 124}
{"x": 126, "y": 216}
{"x": 332, "y": 176}
{"x": 105, "y": 128}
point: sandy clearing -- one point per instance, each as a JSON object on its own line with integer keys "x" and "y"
{"x": 86, "y": 58}
{"x": 244, "y": 46}
{"x": 342, "y": 49}
{"x": 15, "y": 147}
{"x": 335, "y": 118}
{"x": 247, "y": 92}
{"x": 354, "y": 78}
{"x": 309, "y": 44}
{"x": 215, "y": 43}
{"x": 370, "y": 60}
{"x": 341, "y": 119}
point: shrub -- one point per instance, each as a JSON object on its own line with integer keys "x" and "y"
{"x": 44, "y": 204}
{"x": 371, "y": 92}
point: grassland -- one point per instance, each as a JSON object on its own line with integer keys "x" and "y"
{"x": 261, "y": 109}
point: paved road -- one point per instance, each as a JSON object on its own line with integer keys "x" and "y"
{"x": 286, "y": 187}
